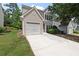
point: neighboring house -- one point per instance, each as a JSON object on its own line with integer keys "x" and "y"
{"x": 35, "y": 21}
{"x": 72, "y": 26}
{"x": 49, "y": 20}
{"x": 1, "y": 16}
{"x": 68, "y": 29}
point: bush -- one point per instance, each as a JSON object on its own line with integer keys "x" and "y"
{"x": 53, "y": 30}
{"x": 16, "y": 25}
{"x": 8, "y": 29}
{"x": 2, "y": 29}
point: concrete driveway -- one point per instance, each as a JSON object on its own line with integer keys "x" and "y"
{"x": 51, "y": 45}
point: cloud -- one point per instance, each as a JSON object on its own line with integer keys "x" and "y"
{"x": 38, "y": 7}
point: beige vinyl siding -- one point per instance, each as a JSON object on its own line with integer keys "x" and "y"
{"x": 34, "y": 18}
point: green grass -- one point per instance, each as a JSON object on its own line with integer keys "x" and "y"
{"x": 12, "y": 45}
{"x": 76, "y": 32}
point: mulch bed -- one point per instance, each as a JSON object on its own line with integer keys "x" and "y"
{"x": 70, "y": 37}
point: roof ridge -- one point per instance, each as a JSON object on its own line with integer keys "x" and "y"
{"x": 23, "y": 6}
{"x": 29, "y": 8}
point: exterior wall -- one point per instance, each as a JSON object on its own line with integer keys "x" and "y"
{"x": 70, "y": 27}
{"x": 62, "y": 28}
{"x": 1, "y": 17}
{"x": 69, "y": 30}
{"x": 56, "y": 23}
{"x": 32, "y": 17}
{"x": 77, "y": 28}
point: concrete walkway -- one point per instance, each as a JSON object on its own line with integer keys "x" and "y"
{"x": 51, "y": 45}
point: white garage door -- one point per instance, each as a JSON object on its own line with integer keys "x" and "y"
{"x": 32, "y": 28}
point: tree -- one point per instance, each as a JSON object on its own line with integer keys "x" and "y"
{"x": 12, "y": 15}
{"x": 66, "y": 11}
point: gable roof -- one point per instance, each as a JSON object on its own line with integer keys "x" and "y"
{"x": 26, "y": 13}
{"x": 29, "y": 8}
{"x": 26, "y": 7}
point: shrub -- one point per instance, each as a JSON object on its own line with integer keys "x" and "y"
{"x": 8, "y": 29}
{"x": 16, "y": 25}
{"x": 2, "y": 29}
{"x": 53, "y": 30}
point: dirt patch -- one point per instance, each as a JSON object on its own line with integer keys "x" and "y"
{"x": 70, "y": 37}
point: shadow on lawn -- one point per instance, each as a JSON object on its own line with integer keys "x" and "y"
{"x": 3, "y": 33}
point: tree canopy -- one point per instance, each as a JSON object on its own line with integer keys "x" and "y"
{"x": 12, "y": 15}
{"x": 66, "y": 11}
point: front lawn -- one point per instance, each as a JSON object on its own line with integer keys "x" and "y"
{"x": 12, "y": 44}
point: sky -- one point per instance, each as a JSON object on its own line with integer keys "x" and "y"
{"x": 40, "y": 6}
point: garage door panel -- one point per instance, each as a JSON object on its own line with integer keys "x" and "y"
{"x": 32, "y": 28}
